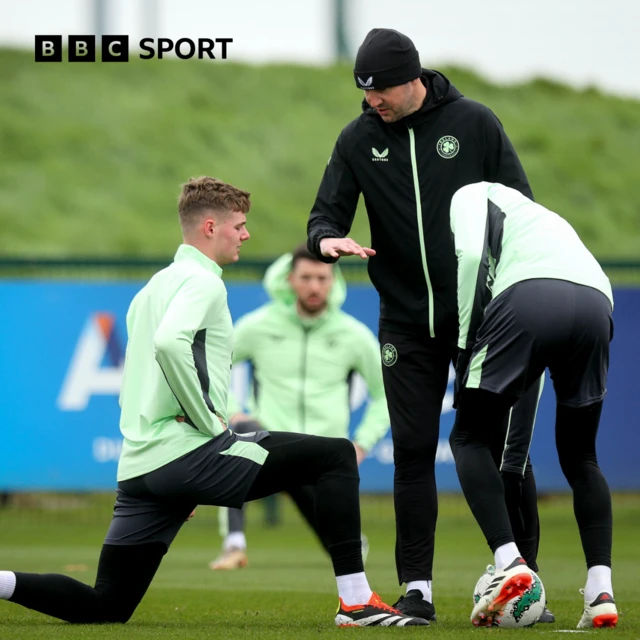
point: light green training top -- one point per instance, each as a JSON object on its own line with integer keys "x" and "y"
{"x": 302, "y": 367}
{"x": 177, "y": 363}
{"x": 502, "y": 237}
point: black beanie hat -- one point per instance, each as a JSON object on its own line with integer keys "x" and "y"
{"x": 386, "y": 58}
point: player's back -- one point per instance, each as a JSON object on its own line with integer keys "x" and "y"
{"x": 149, "y": 407}
{"x": 523, "y": 239}
{"x": 538, "y": 243}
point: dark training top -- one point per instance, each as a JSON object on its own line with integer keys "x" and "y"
{"x": 408, "y": 172}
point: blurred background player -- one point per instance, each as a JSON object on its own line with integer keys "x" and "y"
{"x": 545, "y": 302}
{"x": 304, "y": 351}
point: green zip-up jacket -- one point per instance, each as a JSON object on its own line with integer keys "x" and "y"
{"x": 501, "y": 237}
{"x": 177, "y": 363}
{"x": 302, "y": 367}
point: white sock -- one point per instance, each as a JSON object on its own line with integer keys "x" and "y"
{"x": 422, "y": 585}
{"x": 7, "y": 584}
{"x": 354, "y": 588}
{"x": 598, "y": 580}
{"x": 235, "y": 540}
{"x": 505, "y": 555}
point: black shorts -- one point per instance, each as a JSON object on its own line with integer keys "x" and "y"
{"x": 153, "y": 507}
{"x": 543, "y": 323}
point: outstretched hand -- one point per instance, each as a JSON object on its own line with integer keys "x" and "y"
{"x": 336, "y": 247}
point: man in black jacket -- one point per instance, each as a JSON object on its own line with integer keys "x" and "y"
{"x": 416, "y": 143}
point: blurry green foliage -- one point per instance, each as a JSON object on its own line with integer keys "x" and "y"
{"x": 92, "y": 155}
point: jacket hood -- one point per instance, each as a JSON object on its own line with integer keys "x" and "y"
{"x": 276, "y": 284}
{"x": 439, "y": 91}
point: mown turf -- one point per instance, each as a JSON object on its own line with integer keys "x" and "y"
{"x": 288, "y": 590}
{"x": 91, "y": 155}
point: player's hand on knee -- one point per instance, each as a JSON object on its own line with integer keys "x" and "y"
{"x": 239, "y": 417}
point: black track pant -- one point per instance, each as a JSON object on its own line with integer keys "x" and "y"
{"x": 415, "y": 385}
{"x": 125, "y": 571}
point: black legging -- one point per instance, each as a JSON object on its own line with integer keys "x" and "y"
{"x": 125, "y": 572}
{"x": 303, "y": 496}
{"x": 576, "y": 429}
{"x": 124, "y": 575}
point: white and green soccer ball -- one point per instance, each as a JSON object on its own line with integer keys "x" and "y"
{"x": 519, "y": 612}
{"x": 483, "y": 583}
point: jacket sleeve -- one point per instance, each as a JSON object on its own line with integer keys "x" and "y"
{"x": 243, "y": 349}
{"x": 244, "y": 338}
{"x": 335, "y": 206}
{"x": 501, "y": 163}
{"x": 195, "y": 307}
{"x": 375, "y": 422}
{"x": 469, "y": 225}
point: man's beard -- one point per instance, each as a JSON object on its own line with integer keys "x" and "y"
{"x": 312, "y": 310}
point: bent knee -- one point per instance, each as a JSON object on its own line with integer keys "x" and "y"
{"x": 116, "y": 614}
{"x": 114, "y": 608}
{"x": 342, "y": 453}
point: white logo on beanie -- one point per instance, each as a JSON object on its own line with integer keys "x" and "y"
{"x": 367, "y": 83}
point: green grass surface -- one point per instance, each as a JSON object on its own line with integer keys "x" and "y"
{"x": 288, "y": 590}
{"x": 91, "y": 156}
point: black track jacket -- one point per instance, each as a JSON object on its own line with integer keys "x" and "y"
{"x": 408, "y": 172}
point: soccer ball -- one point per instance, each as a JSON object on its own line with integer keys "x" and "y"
{"x": 483, "y": 583}
{"x": 520, "y": 611}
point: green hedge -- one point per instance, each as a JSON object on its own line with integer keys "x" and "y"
{"x": 92, "y": 155}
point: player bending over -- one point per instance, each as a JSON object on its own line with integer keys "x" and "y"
{"x": 531, "y": 296}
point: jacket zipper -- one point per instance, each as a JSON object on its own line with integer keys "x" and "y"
{"x": 423, "y": 249}
{"x": 303, "y": 378}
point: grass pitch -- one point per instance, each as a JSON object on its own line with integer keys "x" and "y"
{"x": 288, "y": 590}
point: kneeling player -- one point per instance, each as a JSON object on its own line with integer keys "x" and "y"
{"x": 177, "y": 451}
{"x": 531, "y": 296}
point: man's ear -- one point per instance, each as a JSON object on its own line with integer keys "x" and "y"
{"x": 209, "y": 227}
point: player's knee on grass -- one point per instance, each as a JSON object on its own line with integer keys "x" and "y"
{"x": 114, "y": 607}
{"x": 124, "y": 575}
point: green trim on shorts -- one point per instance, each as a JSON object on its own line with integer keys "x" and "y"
{"x": 248, "y": 450}
{"x": 475, "y": 368}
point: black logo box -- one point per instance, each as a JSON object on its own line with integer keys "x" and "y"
{"x": 82, "y": 49}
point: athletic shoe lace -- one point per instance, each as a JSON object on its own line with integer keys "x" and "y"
{"x": 377, "y": 602}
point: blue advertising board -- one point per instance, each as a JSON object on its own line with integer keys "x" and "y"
{"x": 61, "y": 360}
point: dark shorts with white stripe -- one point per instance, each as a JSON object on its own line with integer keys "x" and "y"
{"x": 153, "y": 507}
{"x": 544, "y": 323}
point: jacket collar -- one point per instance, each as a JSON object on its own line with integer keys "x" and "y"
{"x": 189, "y": 252}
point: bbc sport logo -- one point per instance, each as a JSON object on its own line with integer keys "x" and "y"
{"x": 116, "y": 48}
